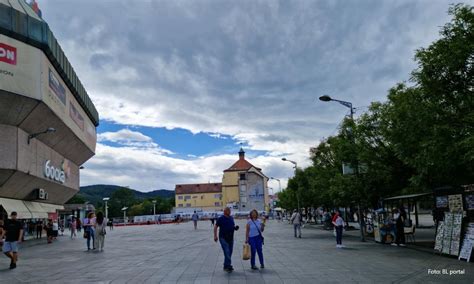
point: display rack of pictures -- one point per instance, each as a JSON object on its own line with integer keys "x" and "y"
{"x": 466, "y": 249}
{"x": 442, "y": 201}
{"x": 448, "y": 237}
{"x": 455, "y": 202}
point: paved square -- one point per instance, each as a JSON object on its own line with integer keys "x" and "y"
{"x": 178, "y": 254}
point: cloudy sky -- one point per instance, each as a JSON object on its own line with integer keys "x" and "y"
{"x": 180, "y": 84}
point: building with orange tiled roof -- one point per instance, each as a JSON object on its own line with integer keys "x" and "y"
{"x": 243, "y": 188}
{"x": 200, "y": 196}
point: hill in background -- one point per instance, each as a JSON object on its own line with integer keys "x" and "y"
{"x": 95, "y": 193}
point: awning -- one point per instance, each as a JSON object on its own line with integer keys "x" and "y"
{"x": 409, "y": 196}
{"x": 18, "y": 206}
{"x": 51, "y": 208}
{"x": 37, "y": 211}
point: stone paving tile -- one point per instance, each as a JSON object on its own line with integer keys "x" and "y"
{"x": 178, "y": 254}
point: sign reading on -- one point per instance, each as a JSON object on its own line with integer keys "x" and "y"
{"x": 54, "y": 173}
{"x": 7, "y": 54}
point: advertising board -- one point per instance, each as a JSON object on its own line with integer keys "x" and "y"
{"x": 20, "y": 68}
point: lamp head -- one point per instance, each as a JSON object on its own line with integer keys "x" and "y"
{"x": 325, "y": 98}
{"x": 106, "y": 198}
{"x": 50, "y": 130}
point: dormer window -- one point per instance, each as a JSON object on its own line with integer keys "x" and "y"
{"x": 242, "y": 177}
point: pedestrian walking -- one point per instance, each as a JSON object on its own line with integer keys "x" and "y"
{"x": 195, "y": 219}
{"x": 254, "y": 237}
{"x": 39, "y": 229}
{"x": 296, "y": 221}
{"x": 49, "y": 231}
{"x": 399, "y": 215}
{"x": 13, "y": 232}
{"x": 111, "y": 224}
{"x": 226, "y": 226}
{"x": 100, "y": 226}
{"x": 338, "y": 223}
{"x": 89, "y": 230}
{"x": 73, "y": 227}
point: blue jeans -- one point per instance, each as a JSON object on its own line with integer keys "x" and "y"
{"x": 339, "y": 235}
{"x": 227, "y": 248}
{"x": 90, "y": 236}
{"x": 256, "y": 246}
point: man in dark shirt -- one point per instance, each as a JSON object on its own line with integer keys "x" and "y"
{"x": 226, "y": 237}
{"x": 13, "y": 232}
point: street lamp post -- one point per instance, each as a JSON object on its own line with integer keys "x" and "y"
{"x": 279, "y": 182}
{"x": 124, "y": 214}
{"x": 327, "y": 98}
{"x": 154, "y": 210}
{"x": 297, "y": 189}
{"x": 105, "y": 199}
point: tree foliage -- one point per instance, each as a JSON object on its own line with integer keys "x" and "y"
{"x": 421, "y": 138}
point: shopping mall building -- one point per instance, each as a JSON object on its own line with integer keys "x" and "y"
{"x": 47, "y": 120}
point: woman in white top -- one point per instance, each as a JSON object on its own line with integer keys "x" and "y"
{"x": 100, "y": 226}
{"x": 339, "y": 226}
{"x": 254, "y": 237}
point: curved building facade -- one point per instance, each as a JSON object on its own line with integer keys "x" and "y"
{"x": 47, "y": 120}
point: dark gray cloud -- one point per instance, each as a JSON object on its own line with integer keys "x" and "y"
{"x": 249, "y": 69}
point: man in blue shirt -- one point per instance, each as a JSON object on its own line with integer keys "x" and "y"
{"x": 226, "y": 237}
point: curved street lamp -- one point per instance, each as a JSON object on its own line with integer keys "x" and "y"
{"x": 49, "y": 130}
{"x": 297, "y": 190}
{"x": 327, "y": 98}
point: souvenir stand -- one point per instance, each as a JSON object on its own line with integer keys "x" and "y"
{"x": 468, "y": 240}
{"x": 384, "y": 229}
{"x": 454, "y": 208}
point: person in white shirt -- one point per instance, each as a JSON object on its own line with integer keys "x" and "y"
{"x": 339, "y": 226}
{"x": 296, "y": 221}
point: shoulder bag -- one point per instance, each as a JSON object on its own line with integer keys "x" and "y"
{"x": 259, "y": 232}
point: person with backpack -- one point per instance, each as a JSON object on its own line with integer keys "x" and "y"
{"x": 296, "y": 221}
{"x": 338, "y": 223}
{"x": 100, "y": 231}
{"x": 254, "y": 237}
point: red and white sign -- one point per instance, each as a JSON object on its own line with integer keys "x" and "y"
{"x": 7, "y": 54}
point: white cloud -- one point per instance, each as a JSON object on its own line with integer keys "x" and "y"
{"x": 147, "y": 169}
{"x": 123, "y": 135}
{"x": 133, "y": 139}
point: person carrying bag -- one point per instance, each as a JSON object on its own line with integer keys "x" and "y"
{"x": 254, "y": 237}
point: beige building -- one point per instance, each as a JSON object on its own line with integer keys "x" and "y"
{"x": 201, "y": 196}
{"x": 47, "y": 120}
{"x": 244, "y": 186}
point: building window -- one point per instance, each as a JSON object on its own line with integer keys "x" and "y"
{"x": 242, "y": 177}
{"x": 243, "y": 199}
{"x": 195, "y": 196}
{"x": 218, "y": 195}
{"x": 217, "y": 204}
{"x": 180, "y": 205}
{"x": 180, "y": 197}
{"x": 202, "y": 196}
{"x": 243, "y": 188}
{"x": 188, "y": 204}
{"x": 187, "y": 197}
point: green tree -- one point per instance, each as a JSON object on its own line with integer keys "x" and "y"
{"x": 432, "y": 122}
{"x": 121, "y": 198}
{"x": 77, "y": 199}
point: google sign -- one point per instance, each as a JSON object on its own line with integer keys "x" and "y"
{"x": 53, "y": 173}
